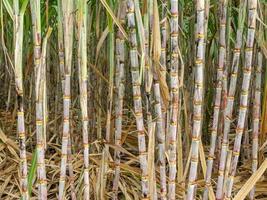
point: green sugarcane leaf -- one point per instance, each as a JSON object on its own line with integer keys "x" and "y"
{"x": 9, "y": 8}
{"x": 32, "y": 172}
{"x": 110, "y": 22}
{"x": 24, "y": 6}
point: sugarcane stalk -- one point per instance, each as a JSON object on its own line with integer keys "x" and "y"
{"x": 198, "y": 97}
{"x": 252, "y": 12}
{"x": 218, "y": 96}
{"x": 119, "y": 85}
{"x": 70, "y": 169}
{"x": 60, "y": 42}
{"x": 227, "y": 167}
{"x": 137, "y": 99}
{"x": 256, "y": 117}
{"x": 18, "y": 28}
{"x": 67, "y": 10}
{"x": 62, "y": 78}
{"x": 39, "y": 89}
{"x": 82, "y": 63}
{"x": 160, "y": 132}
{"x": 174, "y": 97}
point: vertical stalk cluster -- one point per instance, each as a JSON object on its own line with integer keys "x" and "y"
{"x": 230, "y": 104}
{"x": 137, "y": 99}
{"x": 67, "y": 10}
{"x": 199, "y": 85}
{"x": 252, "y": 12}
{"x": 120, "y": 88}
{"x": 198, "y": 96}
{"x": 174, "y": 97}
{"x": 218, "y": 95}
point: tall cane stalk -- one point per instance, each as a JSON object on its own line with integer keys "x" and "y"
{"x": 18, "y": 55}
{"x": 82, "y": 63}
{"x": 256, "y": 118}
{"x": 174, "y": 85}
{"x": 198, "y": 96}
{"x": 137, "y": 99}
{"x": 67, "y": 10}
{"x": 39, "y": 85}
{"x": 120, "y": 88}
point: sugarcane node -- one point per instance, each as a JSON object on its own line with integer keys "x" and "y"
{"x": 172, "y": 142}
{"x": 237, "y": 50}
{"x": 231, "y": 98}
{"x": 222, "y": 47}
{"x": 197, "y": 118}
{"x": 211, "y": 157}
{"x": 200, "y": 36}
{"x": 21, "y": 135}
{"x": 39, "y": 122}
{"x": 62, "y": 178}
{"x": 217, "y": 106}
{"x": 138, "y": 114}
{"x": 23, "y": 160}
{"x": 224, "y": 144}
{"x": 66, "y": 120}
{"x": 214, "y": 132}
{"x": 249, "y": 49}
{"x": 136, "y": 84}
{"x": 130, "y": 10}
{"x": 37, "y": 61}
{"x": 256, "y": 119}
{"x": 194, "y": 159}
{"x": 64, "y": 155}
{"x": 146, "y": 198}
{"x": 239, "y": 130}
{"x": 221, "y": 172}
{"x": 174, "y": 34}
{"x": 197, "y": 103}
{"x": 66, "y": 97}
{"x": 236, "y": 153}
{"x": 243, "y": 107}
{"x": 41, "y": 165}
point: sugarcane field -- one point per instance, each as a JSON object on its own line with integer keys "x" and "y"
{"x": 133, "y": 99}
